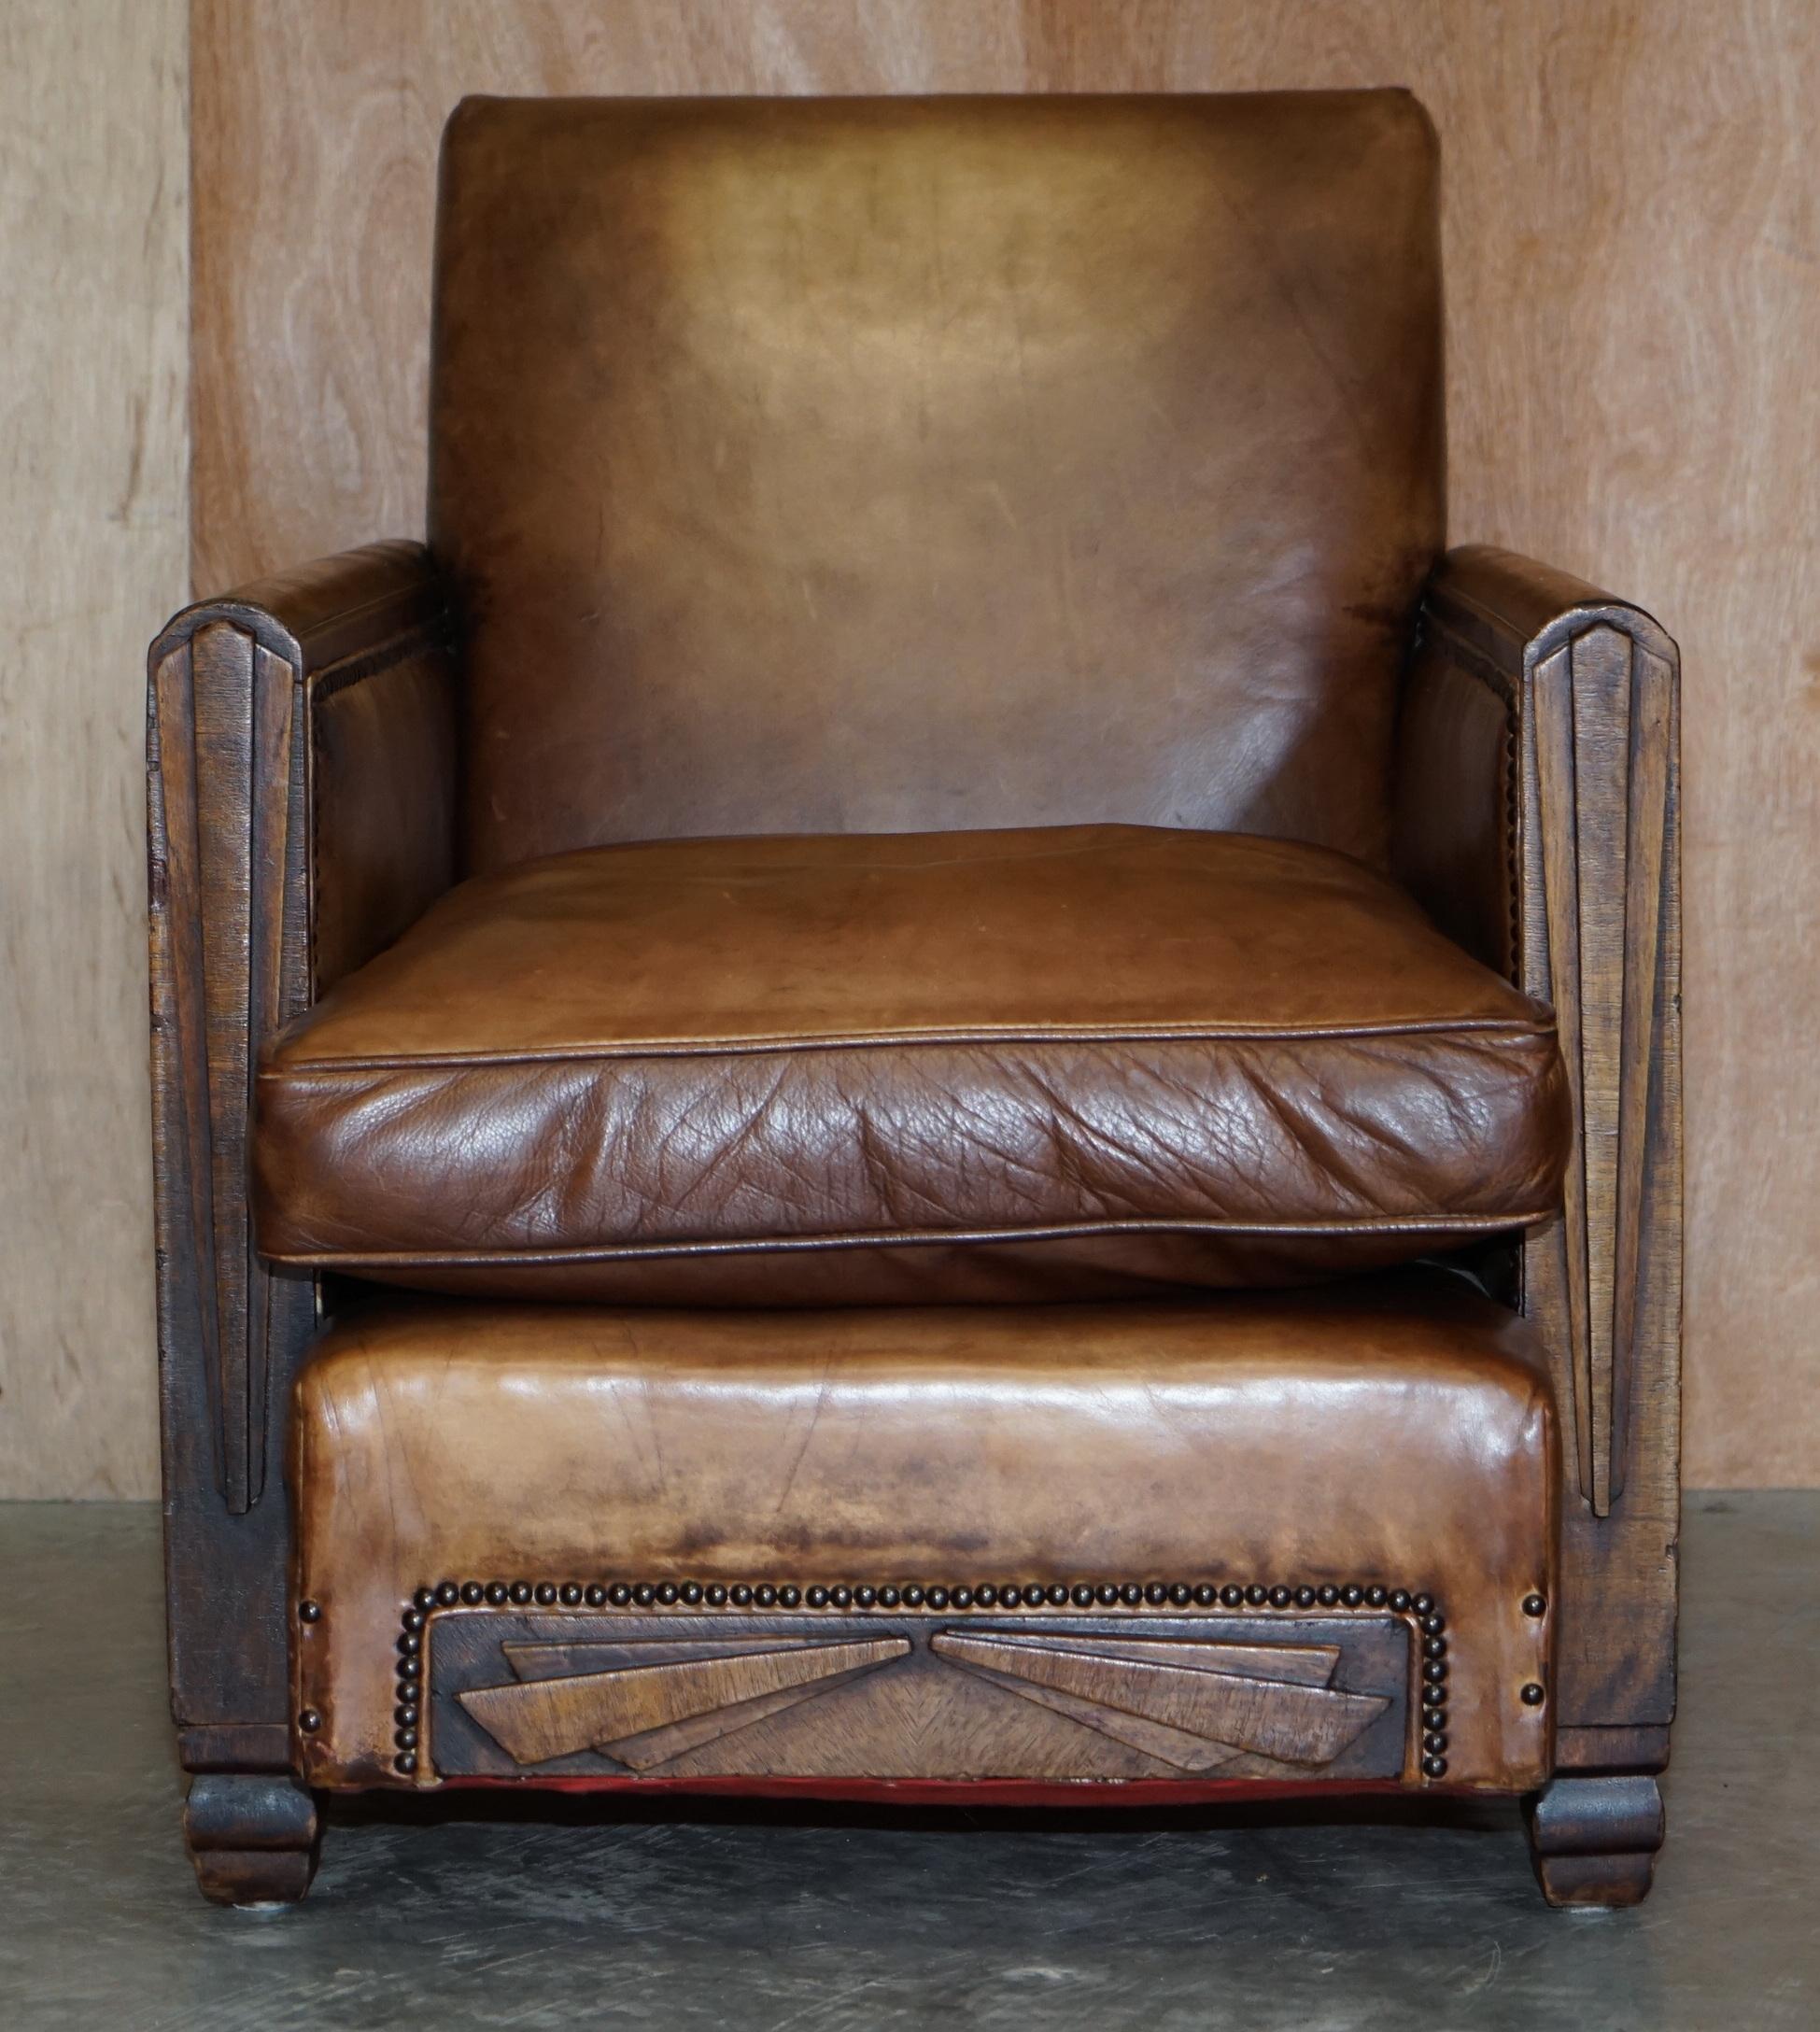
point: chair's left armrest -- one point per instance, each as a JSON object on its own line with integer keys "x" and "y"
{"x": 302, "y": 763}
{"x": 1537, "y": 820}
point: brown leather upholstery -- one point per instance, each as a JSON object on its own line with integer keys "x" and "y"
{"x": 874, "y": 465}
{"x": 778, "y": 1069}
{"x": 1400, "y": 1432}
{"x": 383, "y": 758}
{"x": 1458, "y": 794}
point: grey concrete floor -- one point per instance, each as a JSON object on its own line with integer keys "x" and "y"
{"x": 492, "y": 1915}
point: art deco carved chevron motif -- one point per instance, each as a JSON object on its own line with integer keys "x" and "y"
{"x": 1604, "y": 751}
{"x": 1188, "y": 1702}
{"x": 647, "y": 1702}
{"x": 1195, "y": 1705}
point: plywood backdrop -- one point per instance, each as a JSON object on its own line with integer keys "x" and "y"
{"x": 94, "y": 540}
{"x": 1634, "y": 290}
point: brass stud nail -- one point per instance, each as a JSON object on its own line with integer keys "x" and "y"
{"x": 1533, "y": 1694}
{"x": 1535, "y": 1604}
{"x": 788, "y": 1597}
{"x": 309, "y": 1611}
{"x": 309, "y": 1721}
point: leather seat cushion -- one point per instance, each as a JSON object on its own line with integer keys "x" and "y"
{"x": 883, "y": 1069}
{"x": 1399, "y": 1431}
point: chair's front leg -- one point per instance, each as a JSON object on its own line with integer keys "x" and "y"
{"x": 262, "y": 883}
{"x": 1538, "y": 808}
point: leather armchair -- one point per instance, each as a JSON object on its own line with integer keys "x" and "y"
{"x": 831, "y": 1083}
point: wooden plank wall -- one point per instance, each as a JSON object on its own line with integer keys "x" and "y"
{"x": 1634, "y": 287}
{"x": 94, "y": 548}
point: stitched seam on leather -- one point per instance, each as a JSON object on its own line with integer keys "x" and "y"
{"x": 361, "y": 664}
{"x": 918, "y": 1237}
{"x": 1491, "y": 1030}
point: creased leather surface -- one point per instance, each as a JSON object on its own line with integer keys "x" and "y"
{"x": 822, "y": 1044}
{"x": 1401, "y": 1431}
{"x": 868, "y": 465}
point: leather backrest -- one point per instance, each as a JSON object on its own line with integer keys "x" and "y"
{"x": 903, "y": 464}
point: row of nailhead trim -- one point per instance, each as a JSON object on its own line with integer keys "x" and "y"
{"x": 1054, "y": 1594}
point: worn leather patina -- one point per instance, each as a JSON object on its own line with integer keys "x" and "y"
{"x": 784, "y": 1071}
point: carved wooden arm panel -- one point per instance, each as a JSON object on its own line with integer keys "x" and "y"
{"x": 301, "y": 757}
{"x": 1538, "y": 820}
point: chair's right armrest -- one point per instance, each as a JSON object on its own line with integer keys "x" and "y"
{"x": 302, "y": 762}
{"x": 301, "y": 759}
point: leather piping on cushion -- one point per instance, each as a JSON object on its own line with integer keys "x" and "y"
{"x": 1397, "y": 1430}
{"x": 565, "y": 1073}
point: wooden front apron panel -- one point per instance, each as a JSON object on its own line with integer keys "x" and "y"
{"x": 1046, "y": 1696}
